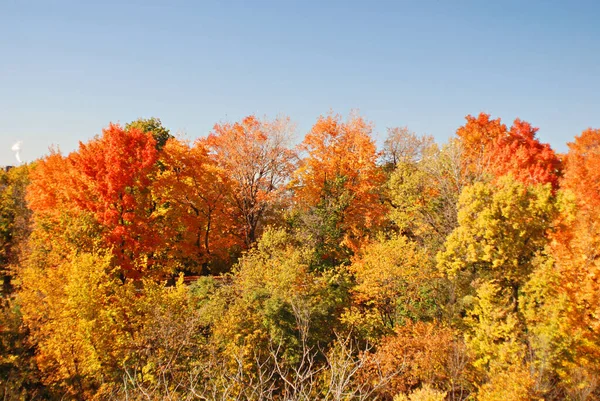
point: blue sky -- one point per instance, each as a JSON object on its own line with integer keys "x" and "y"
{"x": 68, "y": 68}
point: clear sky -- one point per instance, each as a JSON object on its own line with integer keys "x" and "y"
{"x": 68, "y": 68}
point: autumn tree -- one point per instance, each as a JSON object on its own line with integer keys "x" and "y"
{"x": 115, "y": 169}
{"x": 495, "y": 337}
{"x": 502, "y": 227}
{"x": 274, "y": 296}
{"x": 582, "y": 169}
{"x": 91, "y": 330}
{"x": 107, "y": 178}
{"x": 52, "y": 181}
{"x": 396, "y": 282}
{"x": 423, "y": 195}
{"x": 337, "y": 185}
{"x": 425, "y": 393}
{"x": 494, "y": 329}
{"x": 422, "y": 354}
{"x": 490, "y": 148}
{"x": 254, "y": 154}
{"x": 19, "y": 376}
{"x": 14, "y": 221}
{"x": 192, "y": 192}
{"x": 490, "y": 258}
{"x": 576, "y": 260}
{"x": 403, "y": 145}
{"x": 62, "y": 308}
{"x": 477, "y": 137}
{"x": 553, "y": 342}
{"x": 521, "y": 154}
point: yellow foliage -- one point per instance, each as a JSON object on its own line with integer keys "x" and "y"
{"x": 512, "y": 384}
{"x": 273, "y": 295}
{"x": 395, "y": 280}
{"x": 69, "y": 311}
{"x": 425, "y": 393}
{"x": 494, "y": 328}
{"x": 502, "y": 226}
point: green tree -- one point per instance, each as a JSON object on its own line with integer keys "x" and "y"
{"x": 160, "y": 134}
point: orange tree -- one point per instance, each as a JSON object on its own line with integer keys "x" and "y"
{"x": 107, "y": 178}
{"x": 490, "y": 148}
{"x": 576, "y": 255}
{"x": 192, "y": 191}
{"x": 336, "y": 186}
{"x": 255, "y": 156}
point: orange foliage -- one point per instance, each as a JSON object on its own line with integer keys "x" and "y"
{"x": 489, "y": 147}
{"x": 577, "y": 249}
{"x": 522, "y": 154}
{"x": 343, "y": 156}
{"x": 52, "y": 180}
{"x": 477, "y": 137}
{"x": 199, "y": 227}
{"x": 582, "y": 168}
{"x": 420, "y": 353}
{"x": 255, "y": 156}
{"x": 115, "y": 172}
{"x": 107, "y": 177}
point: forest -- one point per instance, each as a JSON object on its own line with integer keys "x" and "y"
{"x": 241, "y": 266}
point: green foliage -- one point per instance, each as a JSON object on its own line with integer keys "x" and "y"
{"x": 160, "y": 134}
{"x": 320, "y": 227}
{"x": 274, "y": 299}
{"x": 277, "y": 295}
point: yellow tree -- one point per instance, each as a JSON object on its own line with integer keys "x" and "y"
{"x": 275, "y": 304}
{"x": 14, "y": 220}
{"x": 91, "y": 331}
{"x": 70, "y": 310}
{"x": 502, "y": 227}
{"x": 503, "y": 230}
{"x": 395, "y": 283}
{"x": 423, "y": 195}
{"x": 495, "y": 339}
